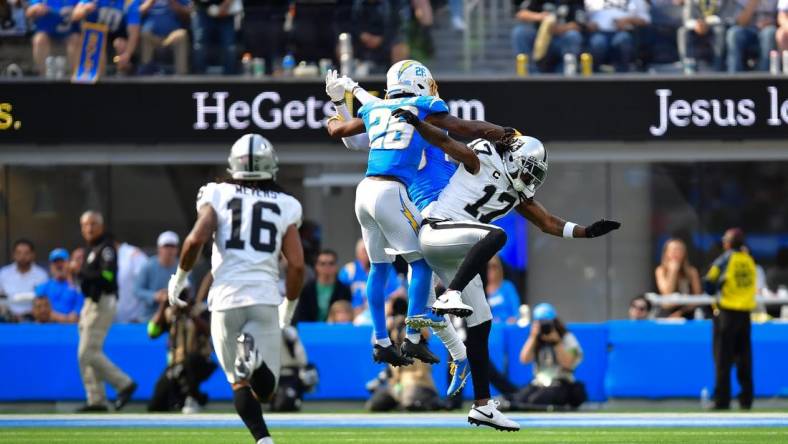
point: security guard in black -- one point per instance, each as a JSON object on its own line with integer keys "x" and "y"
{"x": 99, "y": 272}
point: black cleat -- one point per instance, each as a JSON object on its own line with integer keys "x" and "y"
{"x": 419, "y": 351}
{"x": 87, "y": 408}
{"x": 390, "y": 355}
{"x": 125, "y": 395}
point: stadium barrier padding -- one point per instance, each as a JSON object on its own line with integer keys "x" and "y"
{"x": 621, "y": 359}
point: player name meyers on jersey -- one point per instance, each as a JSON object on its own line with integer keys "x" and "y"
{"x": 484, "y": 196}
{"x": 249, "y": 229}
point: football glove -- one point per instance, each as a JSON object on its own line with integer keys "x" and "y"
{"x": 509, "y": 134}
{"x": 601, "y": 228}
{"x": 406, "y": 116}
{"x": 347, "y": 83}
{"x": 175, "y": 287}
{"x": 334, "y": 87}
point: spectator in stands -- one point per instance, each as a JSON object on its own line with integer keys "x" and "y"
{"x": 354, "y": 275}
{"x": 777, "y": 280}
{"x": 189, "y": 361}
{"x": 98, "y": 281}
{"x": 657, "y": 42}
{"x": 546, "y": 31}
{"x": 612, "y": 24}
{"x": 411, "y": 387}
{"x": 131, "y": 261}
{"x": 322, "y": 292}
{"x": 639, "y": 309}
{"x": 114, "y": 14}
{"x": 316, "y": 27}
{"x": 151, "y": 286}
{"x": 164, "y": 25}
{"x": 501, "y": 294}
{"x": 213, "y": 25}
{"x": 264, "y": 30}
{"x": 753, "y": 33}
{"x": 19, "y": 279}
{"x": 705, "y": 22}
{"x": 421, "y": 33}
{"x": 732, "y": 275}
{"x": 341, "y": 312}
{"x": 65, "y": 299}
{"x": 675, "y": 274}
{"x": 556, "y": 353}
{"x": 380, "y": 36}
{"x": 782, "y": 22}
{"x": 52, "y": 20}
{"x": 42, "y": 311}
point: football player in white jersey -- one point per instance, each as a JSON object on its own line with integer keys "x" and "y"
{"x": 457, "y": 240}
{"x": 250, "y": 220}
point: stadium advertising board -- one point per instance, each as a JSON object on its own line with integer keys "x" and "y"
{"x": 200, "y": 111}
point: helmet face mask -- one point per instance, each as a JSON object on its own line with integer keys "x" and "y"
{"x": 252, "y": 157}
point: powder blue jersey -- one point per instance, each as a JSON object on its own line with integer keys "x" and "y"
{"x": 114, "y": 13}
{"x": 395, "y": 147}
{"x": 57, "y": 21}
{"x": 432, "y": 177}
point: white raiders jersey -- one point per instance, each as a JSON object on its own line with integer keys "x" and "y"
{"x": 484, "y": 196}
{"x": 250, "y": 225}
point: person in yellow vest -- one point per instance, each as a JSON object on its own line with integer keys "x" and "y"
{"x": 733, "y": 276}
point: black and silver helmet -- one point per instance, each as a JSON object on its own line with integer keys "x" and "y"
{"x": 252, "y": 157}
{"x": 526, "y": 164}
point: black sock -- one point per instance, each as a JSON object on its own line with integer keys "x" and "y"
{"x": 250, "y": 412}
{"x": 475, "y": 261}
{"x": 479, "y": 359}
{"x": 263, "y": 383}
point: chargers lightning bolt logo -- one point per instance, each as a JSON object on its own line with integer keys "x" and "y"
{"x": 409, "y": 215}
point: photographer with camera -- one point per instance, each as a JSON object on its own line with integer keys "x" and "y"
{"x": 555, "y": 353}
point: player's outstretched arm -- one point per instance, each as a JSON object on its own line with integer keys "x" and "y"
{"x": 293, "y": 252}
{"x": 473, "y": 129}
{"x": 201, "y": 233}
{"x": 338, "y": 128}
{"x": 437, "y": 137}
{"x": 537, "y": 214}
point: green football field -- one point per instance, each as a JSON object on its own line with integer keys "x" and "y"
{"x": 396, "y": 435}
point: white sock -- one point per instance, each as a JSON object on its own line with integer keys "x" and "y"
{"x": 414, "y": 337}
{"x": 452, "y": 341}
{"x": 385, "y": 342}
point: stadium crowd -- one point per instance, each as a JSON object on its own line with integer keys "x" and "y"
{"x": 271, "y": 37}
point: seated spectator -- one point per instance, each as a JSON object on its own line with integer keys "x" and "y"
{"x": 42, "y": 311}
{"x": 411, "y": 387}
{"x": 612, "y": 24}
{"x": 151, "y": 287}
{"x": 19, "y": 279}
{"x": 296, "y": 376}
{"x": 674, "y": 274}
{"x": 316, "y": 28}
{"x": 555, "y": 352}
{"x": 752, "y": 33}
{"x": 164, "y": 25}
{"x": 189, "y": 361}
{"x": 52, "y": 21}
{"x": 378, "y": 33}
{"x": 213, "y": 25}
{"x": 354, "y": 275}
{"x": 114, "y": 14}
{"x": 657, "y": 42}
{"x": 340, "y": 313}
{"x": 705, "y": 23}
{"x": 501, "y": 294}
{"x": 562, "y": 36}
{"x": 264, "y": 30}
{"x": 639, "y": 309}
{"x": 782, "y": 21}
{"x": 65, "y": 299}
{"x": 319, "y": 294}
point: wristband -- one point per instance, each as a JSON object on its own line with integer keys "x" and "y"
{"x": 181, "y": 275}
{"x": 569, "y": 230}
{"x": 286, "y": 315}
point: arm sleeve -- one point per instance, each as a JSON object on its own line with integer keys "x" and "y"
{"x": 141, "y": 288}
{"x": 208, "y": 195}
{"x": 109, "y": 264}
{"x": 293, "y": 213}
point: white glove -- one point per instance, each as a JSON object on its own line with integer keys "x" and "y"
{"x": 176, "y": 286}
{"x": 347, "y": 83}
{"x": 286, "y": 312}
{"x": 334, "y": 88}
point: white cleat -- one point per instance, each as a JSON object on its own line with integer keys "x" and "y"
{"x": 266, "y": 440}
{"x": 451, "y": 303}
{"x": 488, "y": 415}
{"x": 191, "y": 406}
{"x": 246, "y": 356}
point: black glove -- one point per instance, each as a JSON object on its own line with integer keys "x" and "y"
{"x": 509, "y": 134}
{"x": 601, "y": 228}
{"x": 406, "y": 115}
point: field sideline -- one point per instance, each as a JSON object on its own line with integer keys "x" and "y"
{"x": 391, "y": 428}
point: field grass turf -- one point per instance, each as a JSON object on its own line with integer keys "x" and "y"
{"x": 395, "y": 435}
